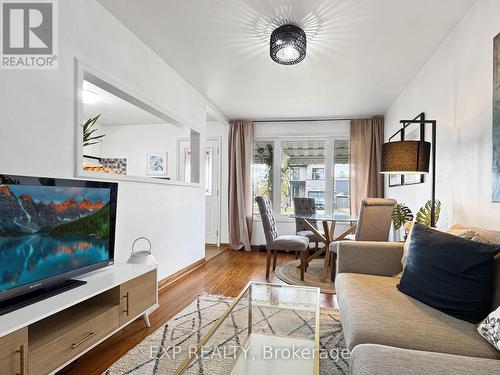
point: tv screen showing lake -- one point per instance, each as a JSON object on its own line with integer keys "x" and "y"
{"x": 47, "y": 230}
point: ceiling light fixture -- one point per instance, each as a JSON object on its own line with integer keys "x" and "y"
{"x": 288, "y": 45}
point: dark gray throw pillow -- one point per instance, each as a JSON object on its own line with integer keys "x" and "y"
{"x": 449, "y": 273}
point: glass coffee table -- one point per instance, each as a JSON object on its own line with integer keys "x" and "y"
{"x": 268, "y": 329}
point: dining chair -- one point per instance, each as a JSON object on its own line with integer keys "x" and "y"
{"x": 305, "y": 206}
{"x": 275, "y": 243}
{"x": 374, "y": 222}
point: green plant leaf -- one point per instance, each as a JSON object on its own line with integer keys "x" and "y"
{"x": 424, "y": 214}
{"x": 400, "y": 215}
{"x": 88, "y": 132}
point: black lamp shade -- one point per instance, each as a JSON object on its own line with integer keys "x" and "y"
{"x": 405, "y": 157}
{"x": 288, "y": 45}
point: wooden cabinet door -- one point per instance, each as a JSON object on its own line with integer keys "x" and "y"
{"x": 14, "y": 352}
{"x": 137, "y": 295}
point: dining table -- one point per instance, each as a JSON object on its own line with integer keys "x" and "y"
{"x": 329, "y": 223}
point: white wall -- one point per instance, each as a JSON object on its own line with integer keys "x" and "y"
{"x": 291, "y": 130}
{"x": 216, "y": 129}
{"x": 134, "y": 142}
{"x": 37, "y": 128}
{"x": 455, "y": 88}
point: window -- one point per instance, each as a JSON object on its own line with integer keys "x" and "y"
{"x": 341, "y": 200}
{"x": 313, "y": 167}
{"x": 308, "y": 156}
{"x": 295, "y": 173}
{"x": 318, "y": 173}
{"x": 262, "y": 170}
{"x": 319, "y": 197}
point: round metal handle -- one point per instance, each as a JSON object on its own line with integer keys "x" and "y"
{"x": 141, "y": 252}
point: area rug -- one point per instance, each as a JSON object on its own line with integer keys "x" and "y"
{"x": 290, "y": 274}
{"x": 164, "y": 350}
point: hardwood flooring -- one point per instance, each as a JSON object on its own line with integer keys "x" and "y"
{"x": 212, "y": 251}
{"x": 226, "y": 274}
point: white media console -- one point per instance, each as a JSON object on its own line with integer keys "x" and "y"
{"x": 44, "y": 337}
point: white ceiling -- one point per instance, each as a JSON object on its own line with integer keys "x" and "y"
{"x": 115, "y": 110}
{"x": 360, "y": 54}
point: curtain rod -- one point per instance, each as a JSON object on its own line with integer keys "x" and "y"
{"x": 317, "y": 119}
{"x": 305, "y": 120}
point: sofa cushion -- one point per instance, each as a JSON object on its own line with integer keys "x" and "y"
{"x": 371, "y": 359}
{"x": 373, "y": 311}
{"x": 450, "y": 273}
{"x": 489, "y": 328}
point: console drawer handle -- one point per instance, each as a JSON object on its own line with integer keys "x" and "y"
{"x": 127, "y": 303}
{"x": 92, "y": 334}
{"x": 21, "y": 360}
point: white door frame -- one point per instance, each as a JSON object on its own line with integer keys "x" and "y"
{"x": 218, "y": 202}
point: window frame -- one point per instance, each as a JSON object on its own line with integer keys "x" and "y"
{"x": 329, "y": 140}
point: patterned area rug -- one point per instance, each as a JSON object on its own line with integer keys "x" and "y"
{"x": 290, "y": 274}
{"x": 164, "y": 350}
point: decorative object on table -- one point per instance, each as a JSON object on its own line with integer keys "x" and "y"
{"x": 141, "y": 252}
{"x": 157, "y": 163}
{"x": 400, "y": 215}
{"x": 89, "y": 135}
{"x": 424, "y": 215}
{"x": 185, "y": 328}
{"x": 115, "y": 165}
{"x": 288, "y": 45}
{"x": 408, "y": 157}
{"x": 449, "y": 273}
{"x": 496, "y": 120}
{"x": 489, "y": 328}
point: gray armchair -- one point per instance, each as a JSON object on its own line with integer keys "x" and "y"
{"x": 275, "y": 243}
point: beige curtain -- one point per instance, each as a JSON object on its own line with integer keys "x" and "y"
{"x": 240, "y": 184}
{"x": 367, "y": 136}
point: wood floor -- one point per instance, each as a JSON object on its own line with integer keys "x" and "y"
{"x": 226, "y": 274}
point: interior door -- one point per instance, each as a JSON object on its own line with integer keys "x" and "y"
{"x": 211, "y": 160}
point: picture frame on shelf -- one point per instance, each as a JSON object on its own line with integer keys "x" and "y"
{"x": 157, "y": 164}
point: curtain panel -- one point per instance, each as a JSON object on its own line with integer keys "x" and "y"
{"x": 241, "y": 143}
{"x": 366, "y": 181}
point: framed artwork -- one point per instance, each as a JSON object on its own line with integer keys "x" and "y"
{"x": 157, "y": 164}
{"x": 414, "y": 132}
{"x": 395, "y": 180}
{"x": 495, "y": 196}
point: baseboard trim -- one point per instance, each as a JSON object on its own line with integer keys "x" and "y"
{"x": 163, "y": 283}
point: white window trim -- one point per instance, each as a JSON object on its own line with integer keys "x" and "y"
{"x": 329, "y": 169}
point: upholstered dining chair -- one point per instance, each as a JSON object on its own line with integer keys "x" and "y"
{"x": 275, "y": 243}
{"x": 374, "y": 222}
{"x": 305, "y": 206}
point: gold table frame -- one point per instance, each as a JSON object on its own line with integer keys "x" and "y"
{"x": 248, "y": 289}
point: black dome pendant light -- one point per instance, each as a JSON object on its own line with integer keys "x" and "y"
{"x": 288, "y": 45}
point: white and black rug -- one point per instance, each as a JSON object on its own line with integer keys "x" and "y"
{"x": 163, "y": 351}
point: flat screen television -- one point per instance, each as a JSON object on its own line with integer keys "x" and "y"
{"x": 52, "y": 230}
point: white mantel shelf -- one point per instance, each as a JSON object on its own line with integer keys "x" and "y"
{"x": 97, "y": 282}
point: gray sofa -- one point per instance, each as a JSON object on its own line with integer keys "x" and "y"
{"x": 389, "y": 332}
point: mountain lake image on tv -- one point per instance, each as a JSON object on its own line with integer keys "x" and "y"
{"x": 48, "y": 230}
